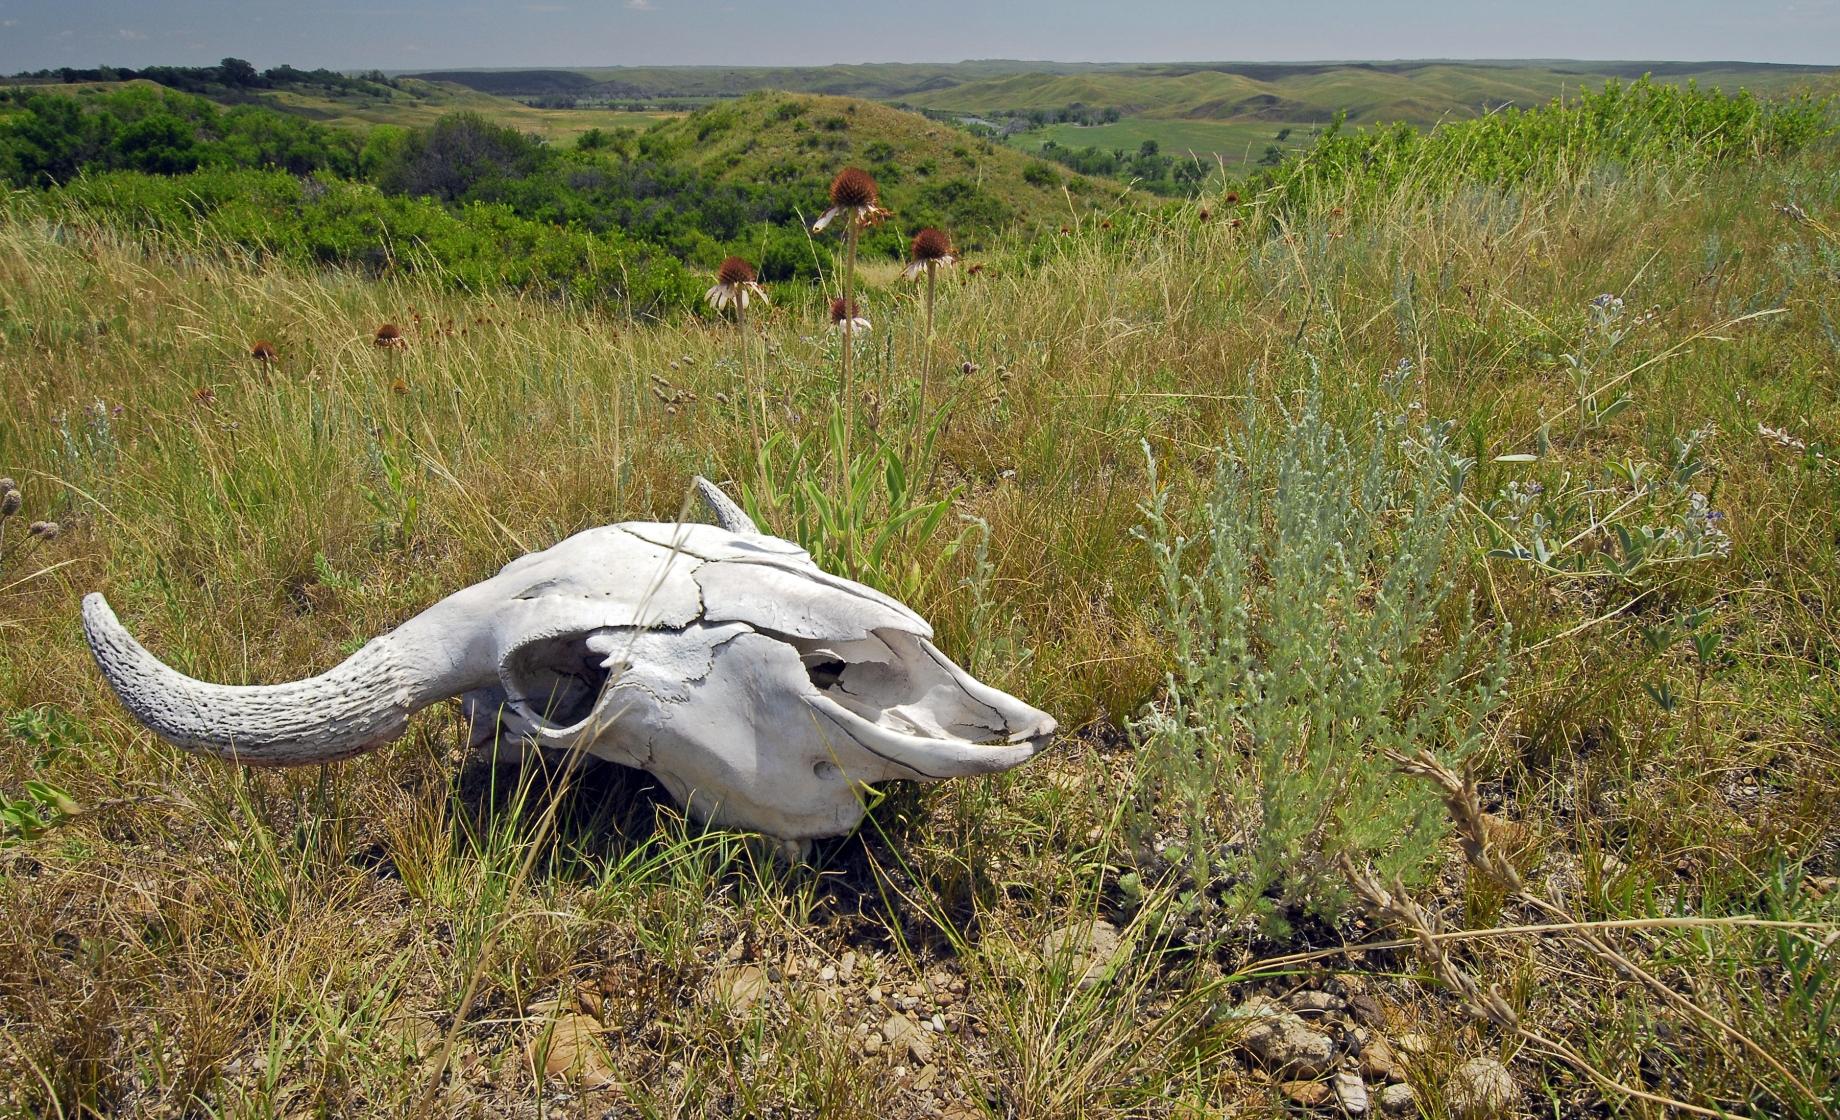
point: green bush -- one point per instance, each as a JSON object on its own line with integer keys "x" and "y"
{"x": 329, "y": 221}
{"x": 1303, "y": 621}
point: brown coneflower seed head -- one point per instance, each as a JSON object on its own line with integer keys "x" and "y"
{"x": 734, "y": 270}
{"x": 854, "y": 187}
{"x": 1232, "y": 198}
{"x": 839, "y": 313}
{"x": 10, "y": 503}
{"x": 263, "y": 350}
{"x": 389, "y": 334}
{"x": 1206, "y": 214}
{"x": 931, "y": 245}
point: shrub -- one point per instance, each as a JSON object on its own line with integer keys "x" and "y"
{"x": 1038, "y": 174}
{"x": 329, "y": 221}
{"x": 1302, "y": 619}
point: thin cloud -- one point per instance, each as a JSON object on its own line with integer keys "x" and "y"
{"x": 641, "y": 5}
{"x": 129, "y": 34}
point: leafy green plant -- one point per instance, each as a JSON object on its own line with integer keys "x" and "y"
{"x": 1630, "y": 523}
{"x": 875, "y": 524}
{"x": 1304, "y": 620}
{"x": 42, "y": 805}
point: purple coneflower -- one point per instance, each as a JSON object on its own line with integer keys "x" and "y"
{"x": 931, "y": 251}
{"x": 855, "y": 199}
{"x": 846, "y": 316}
{"x": 736, "y": 282}
{"x": 855, "y": 196}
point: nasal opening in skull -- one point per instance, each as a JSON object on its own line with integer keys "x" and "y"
{"x": 556, "y": 680}
{"x": 824, "y": 668}
{"x": 893, "y": 679}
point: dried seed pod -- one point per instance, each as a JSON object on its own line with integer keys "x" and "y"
{"x": 10, "y": 501}
{"x": 854, "y": 187}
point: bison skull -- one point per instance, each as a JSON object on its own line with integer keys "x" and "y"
{"x": 762, "y": 692}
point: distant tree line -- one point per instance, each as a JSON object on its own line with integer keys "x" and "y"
{"x": 1147, "y": 167}
{"x": 230, "y": 74}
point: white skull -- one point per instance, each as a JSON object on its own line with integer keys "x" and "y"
{"x": 761, "y": 691}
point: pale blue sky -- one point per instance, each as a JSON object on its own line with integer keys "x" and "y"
{"x": 416, "y": 34}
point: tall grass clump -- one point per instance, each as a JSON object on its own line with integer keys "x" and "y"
{"x": 1299, "y": 612}
{"x": 1642, "y": 124}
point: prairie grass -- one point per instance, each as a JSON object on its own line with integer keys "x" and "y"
{"x": 194, "y": 939}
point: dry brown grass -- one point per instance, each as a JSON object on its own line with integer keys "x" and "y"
{"x": 199, "y": 939}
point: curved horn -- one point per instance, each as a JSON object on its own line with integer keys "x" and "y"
{"x": 362, "y": 703}
{"x": 723, "y": 508}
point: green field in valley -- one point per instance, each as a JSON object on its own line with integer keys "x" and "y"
{"x": 1234, "y": 143}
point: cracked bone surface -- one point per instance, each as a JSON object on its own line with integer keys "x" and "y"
{"x": 762, "y": 692}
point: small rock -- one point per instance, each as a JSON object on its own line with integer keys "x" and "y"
{"x": 1413, "y": 1044}
{"x": 872, "y": 1043}
{"x": 1480, "y": 1088}
{"x": 846, "y": 967}
{"x": 1366, "y": 1010}
{"x": 1284, "y": 1043}
{"x": 828, "y": 973}
{"x": 1309, "y": 1094}
{"x": 1089, "y": 948}
{"x": 1351, "y": 1092}
{"x": 1313, "y": 1003}
{"x": 901, "y": 1033}
{"x": 1397, "y": 1100}
{"x": 740, "y": 988}
{"x": 925, "y": 1078}
{"x": 1379, "y": 1062}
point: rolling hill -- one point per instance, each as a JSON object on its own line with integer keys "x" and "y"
{"x": 929, "y": 171}
{"x": 1417, "y": 92}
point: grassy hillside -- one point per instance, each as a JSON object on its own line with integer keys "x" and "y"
{"x": 1539, "y": 481}
{"x": 422, "y": 103}
{"x": 414, "y": 104}
{"x": 1419, "y": 93}
{"x": 881, "y": 81}
{"x": 929, "y": 171}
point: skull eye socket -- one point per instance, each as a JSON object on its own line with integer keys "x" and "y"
{"x": 555, "y": 681}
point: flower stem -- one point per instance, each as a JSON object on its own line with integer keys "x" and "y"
{"x": 849, "y": 346}
{"x": 754, "y": 400}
